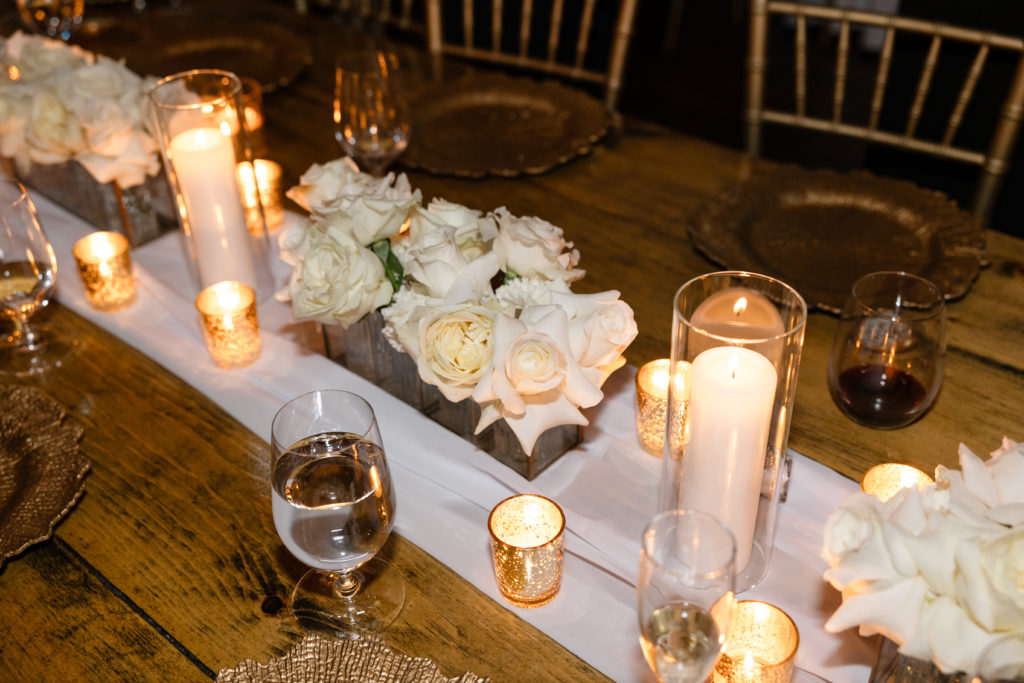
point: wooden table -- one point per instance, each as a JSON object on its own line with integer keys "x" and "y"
{"x": 169, "y": 566}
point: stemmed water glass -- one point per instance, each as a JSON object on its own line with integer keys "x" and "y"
{"x": 334, "y": 507}
{"x": 685, "y": 594}
{"x": 370, "y": 113}
{"x": 28, "y": 272}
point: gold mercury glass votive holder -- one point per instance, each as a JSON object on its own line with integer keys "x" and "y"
{"x": 652, "y": 402}
{"x": 886, "y": 480}
{"x": 526, "y": 540}
{"x": 105, "y": 264}
{"x": 265, "y": 190}
{"x": 230, "y": 325}
{"x": 761, "y": 648}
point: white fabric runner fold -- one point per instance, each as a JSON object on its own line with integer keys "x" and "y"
{"x": 446, "y": 487}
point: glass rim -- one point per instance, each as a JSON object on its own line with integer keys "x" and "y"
{"x": 721, "y": 570}
{"x": 236, "y": 89}
{"x": 555, "y": 537}
{"x": 928, "y": 311}
{"x": 790, "y": 331}
{"x": 280, "y": 411}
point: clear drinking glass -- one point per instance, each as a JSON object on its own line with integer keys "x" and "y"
{"x": 28, "y": 272}
{"x": 685, "y": 594}
{"x": 886, "y": 364}
{"x": 334, "y": 507}
{"x": 370, "y": 114}
{"x": 54, "y": 18}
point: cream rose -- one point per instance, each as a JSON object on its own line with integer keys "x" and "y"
{"x": 455, "y": 348}
{"x": 532, "y": 247}
{"x": 473, "y": 232}
{"x": 53, "y": 134}
{"x": 601, "y": 325}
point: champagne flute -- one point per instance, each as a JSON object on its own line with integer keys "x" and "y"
{"x": 370, "y": 113}
{"x": 685, "y": 594}
{"x": 334, "y": 507}
{"x": 28, "y": 272}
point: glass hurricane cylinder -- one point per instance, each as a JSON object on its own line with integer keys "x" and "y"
{"x": 738, "y": 337}
{"x": 204, "y": 139}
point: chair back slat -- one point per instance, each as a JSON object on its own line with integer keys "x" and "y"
{"x": 882, "y": 77}
{"x": 842, "y": 57}
{"x": 964, "y": 98}
{"x": 801, "y": 65}
{"x": 923, "y": 86}
{"x": 524, "y": 28}
{"x": 584, "y": 37}
{"x": 467, "y": 23}
{"x": 555, "y": 31}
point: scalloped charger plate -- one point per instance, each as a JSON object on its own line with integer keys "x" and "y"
{"x": 820, "y": 230}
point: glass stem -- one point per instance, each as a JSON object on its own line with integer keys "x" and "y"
{"x": 347, "y": 584}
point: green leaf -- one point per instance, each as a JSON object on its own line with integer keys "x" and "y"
{"x": 392, "y": 266}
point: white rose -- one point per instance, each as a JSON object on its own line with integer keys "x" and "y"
{"x": 323, "y": 182}
{"x": 455, "y": 348}
{"x": 440, "y": 269}
{"x": 53, "y": 134}
{"x": 15, "y": 105}
{"x": 532, "y": 247}
{"x": 105, "y": 80}
{"x": 473, "y": 234}
{"x": 37, "y": 57}
{"x": 601, "y": 326}
{"x": 990, "y": 581}
{"x": 534, "y": 382}
{"x": 338, "y": 281}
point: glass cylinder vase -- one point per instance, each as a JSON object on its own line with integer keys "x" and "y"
{"x": 736, "y": 343}
{"x": 206, "y": 147}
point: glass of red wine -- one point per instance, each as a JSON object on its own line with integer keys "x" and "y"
{"x": 886, "y": 364}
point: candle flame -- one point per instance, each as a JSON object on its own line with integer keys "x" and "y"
{"x": 225, "y": 128}
{"x": 740, "y": 307}
{"x": 748, "y": 662}
{"x": 734, "y": 365}
{"x": 13, "y": 73}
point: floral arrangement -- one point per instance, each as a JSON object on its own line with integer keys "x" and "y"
{"x": 59, "y": 102}
{"x": 480, "y": 302}
{"x": 939, "y": 571}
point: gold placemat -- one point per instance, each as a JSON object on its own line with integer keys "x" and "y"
{"x": 41, "y": 470}
{"x": 323, "y": 660}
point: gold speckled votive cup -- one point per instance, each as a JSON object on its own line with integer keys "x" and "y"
{"x": 230, "y": 326}
{"x": 886, "y": 480}
{"x": 105, "y": 264}
{"x": 652, "y": 380}
{"x": 762, "y": 646}
{"x": 526, "y": 540}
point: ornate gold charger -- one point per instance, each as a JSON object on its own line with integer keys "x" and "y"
{"x": 820, "y": 230}
{"x": 318, "y": 659}
{"x": 41, "y": 470}
{"x": 493, "y": 124}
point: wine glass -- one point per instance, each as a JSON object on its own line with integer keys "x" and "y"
{"x": 886, "y": 364}
{"x": 28, "y": 272}
{"x": 370, "y": 113}
{"x": 54, "y": 18}
{"x": 685, "y": 593}
{"x": 334, "y": 507}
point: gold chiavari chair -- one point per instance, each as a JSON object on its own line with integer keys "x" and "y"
{"x": 993, "y": 161}
{"x": 559, "y": 27}
{"x": 399, "y": 14}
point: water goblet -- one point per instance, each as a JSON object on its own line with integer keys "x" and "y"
{"x": 686, "y": 594}
{"x": 370, "y": 113}
{"x": 334, "y": 507}
{"x": 886, "y": 364}
{"x": 28, "y": 272}
{"x": 53, "y": 18}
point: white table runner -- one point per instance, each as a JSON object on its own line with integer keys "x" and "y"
{"x": 446, "y": 487}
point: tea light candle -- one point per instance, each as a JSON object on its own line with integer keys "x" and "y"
{"x": 526, "y": 540}
{"x": 230, "y": 325}
{"x": 732, "y": 393}
{"x": 104, "y": 262}
{"x": 652, "y": 401}
{"x": 263, "y": 189}
{"x": 736, "y": 313}
{"x": 761, "y": 648}
{"x": 252, "y": 113}
{"x": 204, "y": 163}
{"x": 889, "y": 478}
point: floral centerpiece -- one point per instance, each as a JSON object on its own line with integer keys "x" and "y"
{"x": 60, "y": 103}
{"x": 939, "y": 571}
{"x": 480, "y": 302}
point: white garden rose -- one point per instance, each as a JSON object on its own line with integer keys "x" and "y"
{"x": 38, "y": 58}
{"x": 337, "y": 281}
{"x": 438, "y": 268}
{"x": 323, "y": 182}
{"x": 532, "y": 247}
{"x": 455, "y": 348}
{"x": 473, "y": 233}
{"x": 601, "y": 325}
{"x": 53, "y": 133}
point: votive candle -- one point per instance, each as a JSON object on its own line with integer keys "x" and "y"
{"x": 104, "y": 262}
{"x": 761, "y": 648}
{"x": 230, "y": 326}
{"x": 889, "y": 478}
{"x": 263, "y": 189}
{"x": 526, "y": 541}
{"x": 652, "y": 383}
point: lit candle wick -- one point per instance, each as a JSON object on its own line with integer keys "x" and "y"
{"x": 740, "y": 307}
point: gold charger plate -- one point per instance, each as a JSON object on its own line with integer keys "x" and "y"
{"x": 820, "y": 230}
{"x": 41, "y": 471}
{"x": 493, "y": 124}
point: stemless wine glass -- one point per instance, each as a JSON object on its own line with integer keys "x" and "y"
{"x": 28, "y": 272}
{"x": 334, "y": 507}
{"x": 685, "y": 593}
{"x": 54, "y": 18}
{"x": 370, "y": 113}
{"x": 886, "y": 364}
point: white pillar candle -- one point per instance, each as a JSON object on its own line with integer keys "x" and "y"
{"x": 204, "y": 163}
{"x": 732, "y": 393}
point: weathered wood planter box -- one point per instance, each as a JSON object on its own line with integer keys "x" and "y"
{"x": 363, "y": 349}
